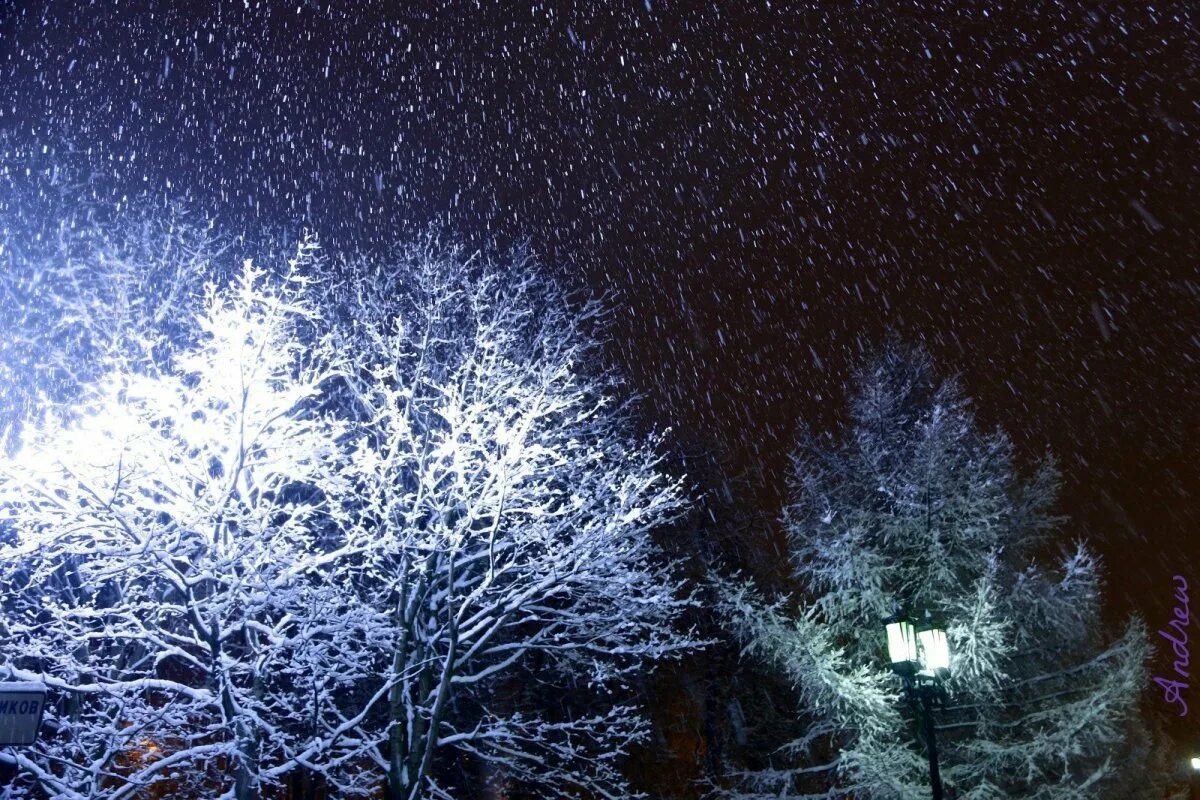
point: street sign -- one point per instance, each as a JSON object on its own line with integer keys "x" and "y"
{"x": 21, "y": 707}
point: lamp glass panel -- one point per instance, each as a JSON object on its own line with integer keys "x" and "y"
{"x": 935, "y": 650}
{"x": 902, "y": 641}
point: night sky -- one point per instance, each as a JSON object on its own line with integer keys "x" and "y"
{"x": 764, "y": 191}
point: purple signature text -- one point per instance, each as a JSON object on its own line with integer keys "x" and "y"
{"x": 1176, "y": 634}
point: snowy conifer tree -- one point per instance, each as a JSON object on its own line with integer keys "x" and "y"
{"x": 510, "y": 507}
{"x": 915, "y": 508}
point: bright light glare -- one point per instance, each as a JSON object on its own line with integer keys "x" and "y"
{"x": 902, "y": 642}
{"x": 935, "y": 651}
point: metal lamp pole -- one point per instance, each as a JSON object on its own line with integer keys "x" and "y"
{"x": 920, "y": 655}
{"x": 935, "y": 775}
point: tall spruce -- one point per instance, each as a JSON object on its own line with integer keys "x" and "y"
{"x": 914, "y": 507}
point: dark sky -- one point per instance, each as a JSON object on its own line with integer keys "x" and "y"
{"x": 764, "y": 189}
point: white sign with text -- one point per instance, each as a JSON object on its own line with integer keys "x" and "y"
{"x": 21, "y": 706}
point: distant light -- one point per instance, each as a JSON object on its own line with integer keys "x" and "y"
{"x": 1196, "y": 763}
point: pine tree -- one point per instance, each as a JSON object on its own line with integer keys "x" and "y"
{"x": 916, "y": 508}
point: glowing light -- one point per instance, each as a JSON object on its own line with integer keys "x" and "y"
{"x": 935, "y": 651}
{"x": 902, "y": 645}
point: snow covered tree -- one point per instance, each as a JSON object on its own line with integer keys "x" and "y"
{"x": 168, "y": 574}
{"x": 510, "y": 507}
{"x": 915, "y": 508}
{"x": 337, "y": 535}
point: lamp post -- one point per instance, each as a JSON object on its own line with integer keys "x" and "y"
{"x": 920, "y": 654}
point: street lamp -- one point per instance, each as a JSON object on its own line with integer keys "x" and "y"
{"x": 902, "y": 645}
{"x": 920, "y": 654}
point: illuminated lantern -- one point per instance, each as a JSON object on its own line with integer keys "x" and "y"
{"x": 934, "y": 650}
{"x": 902, "y": 645}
